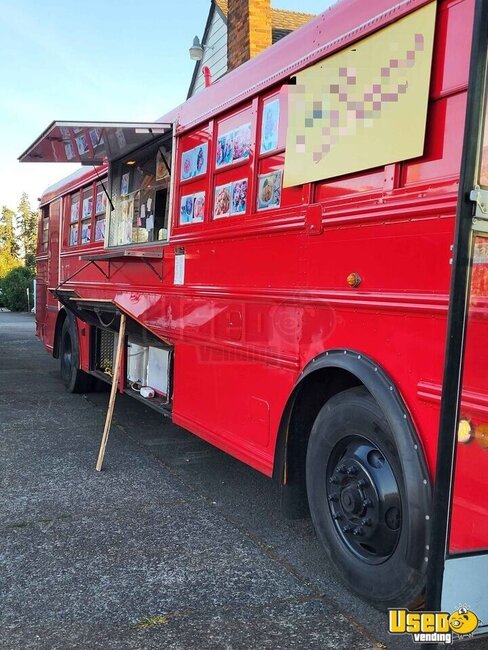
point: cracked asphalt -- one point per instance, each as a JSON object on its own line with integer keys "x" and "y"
{"x": 173, "y": 545}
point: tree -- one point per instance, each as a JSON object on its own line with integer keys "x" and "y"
{"x": 8, "y": 241}
{"x": 27, "y": 227}
{"x": 7, "y": 263}
{"x": 14, "y": 287}
{"x": 9, "y": 247}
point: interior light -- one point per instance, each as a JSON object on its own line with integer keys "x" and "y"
{"x": 130, "y": 162}
{"x": 153, "y": 129}
{"x": 465, "y": 431}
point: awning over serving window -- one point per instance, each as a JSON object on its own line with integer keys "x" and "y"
{"x": 91, "y": 143}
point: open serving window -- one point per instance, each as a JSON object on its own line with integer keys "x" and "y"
{"x": 92, "y": 143}
{"x": 140, "y": 187}
{"x": 139, "y": 155}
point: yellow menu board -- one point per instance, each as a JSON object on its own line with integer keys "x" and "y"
{"x": 363, "y": 107}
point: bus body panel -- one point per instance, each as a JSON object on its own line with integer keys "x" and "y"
{"x": 263, "y": 295}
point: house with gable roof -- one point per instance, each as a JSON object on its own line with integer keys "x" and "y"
{"x": 237, "y": 30}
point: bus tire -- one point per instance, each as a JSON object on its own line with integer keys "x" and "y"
{"x": 74, "y": 379}
{"x": 357, "y": 497}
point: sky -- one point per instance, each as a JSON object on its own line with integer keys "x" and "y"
{"x": 109, "y": 60}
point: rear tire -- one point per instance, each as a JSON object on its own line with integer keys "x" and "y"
{"x": 357, "y": 495}
{"x": 75, "y": 380}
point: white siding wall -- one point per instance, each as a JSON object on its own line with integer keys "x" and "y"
{"x": 215, "y": 52}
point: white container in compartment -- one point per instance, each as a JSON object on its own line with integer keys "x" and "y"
{"x": 137, "y": 358}
{"x": 157, "y": 370}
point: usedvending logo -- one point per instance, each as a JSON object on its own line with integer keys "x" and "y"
{"x": 433, "y": 627}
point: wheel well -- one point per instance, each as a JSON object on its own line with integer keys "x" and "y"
{"x": 309, "y": 396}
{"x": 326, "y": 375}
{"x": 62, "y": 315}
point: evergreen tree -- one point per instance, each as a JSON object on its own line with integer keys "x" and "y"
{"x": 8, "y": 241}
{"x": 7, "y": 263}
{"x": 9, "y": 247}
{"x": 27, "y": 226}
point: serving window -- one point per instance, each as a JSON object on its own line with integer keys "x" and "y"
{"x": 140, "y": 196}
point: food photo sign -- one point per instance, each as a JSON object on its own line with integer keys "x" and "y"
{"x": 230, "y": 199}
{"x": 194, "y": 162}
{"x": 233, "y": 146}
{"x": 192, "y": 208}
{"x": 270, "y": 126}
{"x": 269, "y": 190}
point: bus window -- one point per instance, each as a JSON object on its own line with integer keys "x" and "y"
{"x": 234, "y": 152}
{"x": 100, "y": 209}
{"x": 44, "y": 243}
{"x": 87, "y": 209}
{"x": 193, "y": 177}
{"x": 73, "y": 219}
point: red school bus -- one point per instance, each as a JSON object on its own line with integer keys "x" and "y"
{"x": 280, "y": 245}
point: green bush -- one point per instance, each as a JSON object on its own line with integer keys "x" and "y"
{"x": 14, "y": 288}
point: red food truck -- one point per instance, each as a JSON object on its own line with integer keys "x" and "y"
{"x": 281, "y": 247}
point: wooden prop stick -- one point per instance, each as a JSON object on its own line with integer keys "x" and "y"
{"x": 113, "y": 393}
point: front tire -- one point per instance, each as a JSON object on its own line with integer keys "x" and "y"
{"x": 75, "y": 380}
{"x": 357, "y": 494}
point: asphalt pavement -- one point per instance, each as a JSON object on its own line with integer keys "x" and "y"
{"x": 173, "y": 545}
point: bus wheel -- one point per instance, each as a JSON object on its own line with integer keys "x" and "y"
{"x": 75, "y": 380}
{"x": 357, "y": 497}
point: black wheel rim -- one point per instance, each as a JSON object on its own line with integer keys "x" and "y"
{"x": 66, "y": 357}
{"x": 364, "y": 499}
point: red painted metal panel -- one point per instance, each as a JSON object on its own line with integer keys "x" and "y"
{"x": 454, "y": 27}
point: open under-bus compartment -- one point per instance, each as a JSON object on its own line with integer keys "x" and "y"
{"x": 147, "y": 364}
